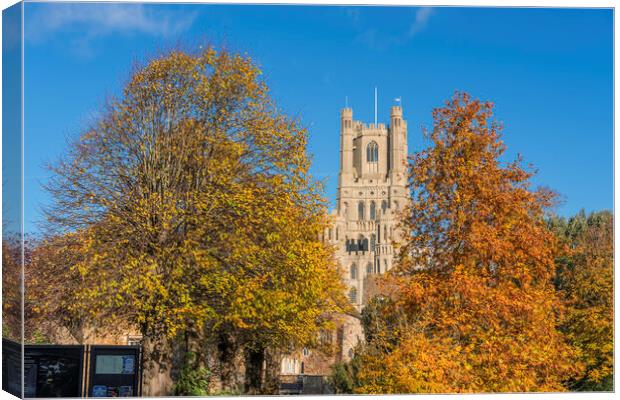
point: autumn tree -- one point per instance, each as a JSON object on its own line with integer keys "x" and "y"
{"x": 383, "y": 323}
{"x": 584, "y": 279}
{"x": 11, "y": 286}
{"x": 197, "y": 215}
{"x": 475, "y": 276}
{"x": 52, "y": 288}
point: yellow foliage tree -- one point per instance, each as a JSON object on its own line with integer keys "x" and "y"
{"x": 12, "y": 302}
{"x": 52, "y": 287}
{"x": 197, "y": 213}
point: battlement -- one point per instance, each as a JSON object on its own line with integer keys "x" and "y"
{"x": 363, "y": 127}
{"x": 396, "y": 111}
{"x": 396, "y": 114}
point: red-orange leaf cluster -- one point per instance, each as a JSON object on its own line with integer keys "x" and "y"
{"x": 475, "y": 276}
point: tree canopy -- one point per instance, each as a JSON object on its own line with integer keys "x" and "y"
{"x": 475, "y": 274}
{"x": 195, "y": 210}
{"x": 584, "y": 278}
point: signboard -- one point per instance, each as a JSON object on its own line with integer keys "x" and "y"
{"x": 60, "y": 370}
{"x": 114, "y": 371}
{"x": 53, "y": 371}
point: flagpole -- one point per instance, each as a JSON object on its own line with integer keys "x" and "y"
{"x": 375, "y": 106}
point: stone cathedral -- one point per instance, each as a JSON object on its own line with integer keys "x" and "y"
{"x": 372, "y": 190}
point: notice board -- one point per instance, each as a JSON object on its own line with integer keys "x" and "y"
{"x": 114, "y": 371}
{"x": 53, "y": 370}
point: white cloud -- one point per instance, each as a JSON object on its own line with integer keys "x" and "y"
{"x": 100, "y": 19}
{"x": 372, "y": 34}
{"x": 421, "y": 19}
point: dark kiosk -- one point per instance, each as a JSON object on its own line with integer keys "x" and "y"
{"x": 114, "y": 371}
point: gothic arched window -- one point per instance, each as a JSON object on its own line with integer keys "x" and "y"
{"x": 372, "y": 152}
{"x": 369, "y": 268}
{"x": 353, "y": 295}
{"x": 362, "y": 243}
{"x": 353, "y": 271}
{"x": 373, "y": 242}
{"x": 360, "y": 211}
{"x": 383, "y": 206}
{"x": 373, "y": 210}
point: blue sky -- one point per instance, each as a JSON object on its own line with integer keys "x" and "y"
{"x": 549, "y": 72}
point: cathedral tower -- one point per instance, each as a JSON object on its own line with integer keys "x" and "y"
{"x": 372, "y": 190}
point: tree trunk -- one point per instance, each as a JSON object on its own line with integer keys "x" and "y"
{"x": 254, "y": 360}
{"x": 159, "y": 361}
{"x": 228, "y": 363}
{"x": 273, "y": 361}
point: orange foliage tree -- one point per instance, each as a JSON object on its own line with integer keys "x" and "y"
{"x": 475, "y": 275}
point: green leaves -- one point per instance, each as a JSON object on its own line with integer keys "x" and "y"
{"x": 584, "y": 278}
{"x": 193, "y": 380}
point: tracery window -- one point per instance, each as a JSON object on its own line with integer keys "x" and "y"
{"x": 372, "y": 152}
{"x": 373, "y": 210}
{"x": 353, "y": 271}
{"x": 362, "y": 244}
{"x": 353, "y": 295}
{"x": 360, "y": 211}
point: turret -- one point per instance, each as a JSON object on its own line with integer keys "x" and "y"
{"x": 346, "y": 142}
{"x": 398, "y": 143}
